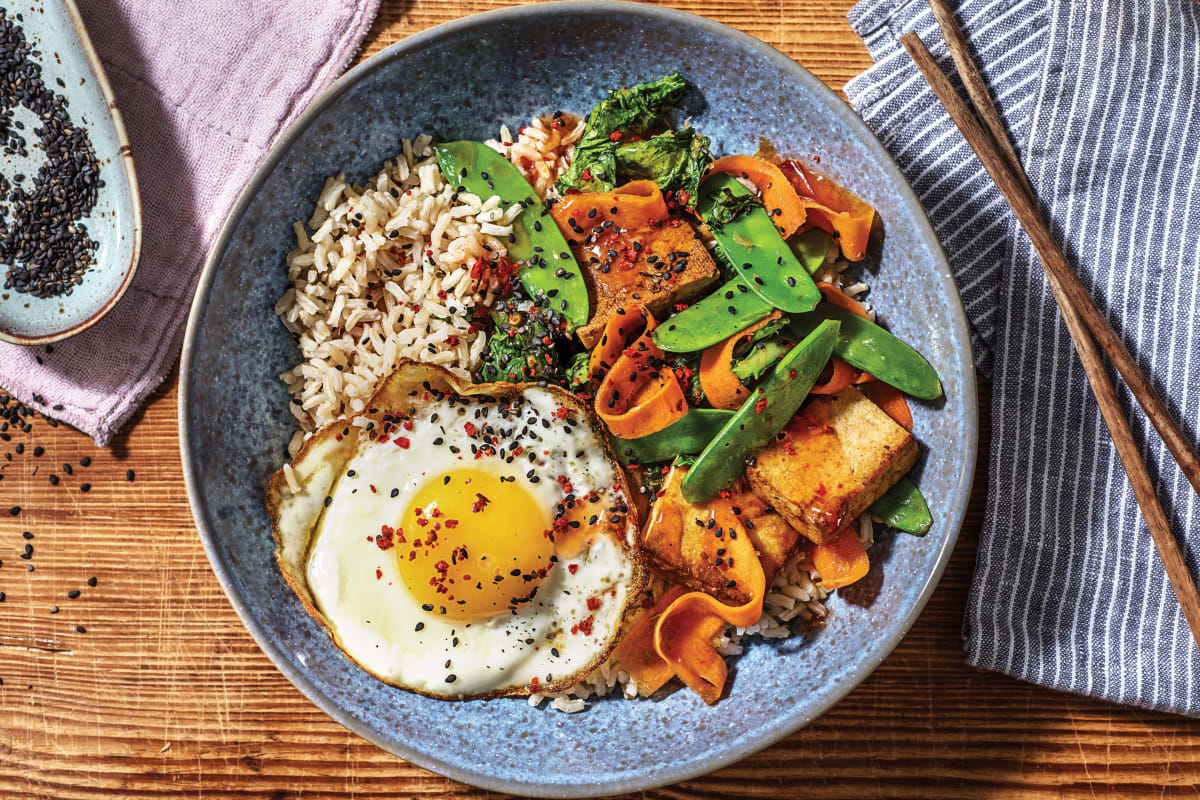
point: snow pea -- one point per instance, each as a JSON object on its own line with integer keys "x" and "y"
{"x": 904, "y": 507}
{"x": 731, "y": 308}
{"x": 749, "y": 240}
{"x": 863, "y": 344}
{"x": 547, "y": 267}
{"x": 685, "y": 436}
{"x": 761, "y": 416}
{"x": 810, "y": 249}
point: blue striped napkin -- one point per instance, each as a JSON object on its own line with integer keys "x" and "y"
{"x": 1102, "y": 100}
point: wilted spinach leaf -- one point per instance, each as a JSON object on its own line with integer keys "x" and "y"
{"x": 726, "y": 208}
{"x": 673, "y": 160}
{"x": 625, "y": 111}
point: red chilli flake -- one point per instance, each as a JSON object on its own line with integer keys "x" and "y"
{"x": 572, "y": 568}
{"x": 615, "y": 136}
{"x": 561, "y": 412}
{"x": 760, "y": 406}
{"x": 480, "y": 503}
{"x": 378, "y": 573}
{"x": 402, "y": 442}
{"x": 593, "y": 603}
{"x": 469, "y": 428}
{"x": 385, "y": 539}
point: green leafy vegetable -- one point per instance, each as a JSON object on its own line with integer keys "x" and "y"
{"x": 592, "y": 169}
{"x": 686, "y": 367}
{"x": 673, "y": 160}
{"x": 522, "y": 347}
{"x": 727, "y": 207}
{"x": 577, "y": 371}
{"x": 632, "y": 110}
{"x": 625, "y": 111}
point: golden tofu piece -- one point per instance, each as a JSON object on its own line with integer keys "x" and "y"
{"x": 684, "y": 545}
{"x": 656, "y": 267}
{"x": 835, "y": 458}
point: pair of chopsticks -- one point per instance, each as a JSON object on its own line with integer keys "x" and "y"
{"x": 1085, "y": 322}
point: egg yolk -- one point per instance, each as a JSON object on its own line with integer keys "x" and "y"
{"x": 472, "y": 545}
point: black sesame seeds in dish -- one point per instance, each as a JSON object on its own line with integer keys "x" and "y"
{"x": 42, "y": 239}
{"x": 705, "y": 371}
{"x": 70, "y": 214}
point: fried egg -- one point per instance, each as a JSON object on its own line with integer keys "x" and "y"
{"x": 462, "y": 541}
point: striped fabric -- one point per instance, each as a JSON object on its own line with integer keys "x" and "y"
{"x": 1102, "y": 98}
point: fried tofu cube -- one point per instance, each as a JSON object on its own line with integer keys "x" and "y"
{"x": 838, "y": 455}
{"x": 681, "y": 543}
{"x": 656, "y": 267}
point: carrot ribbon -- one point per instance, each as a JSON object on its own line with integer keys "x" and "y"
{"x": 831, "y": 208}
{"x": 640, "y": 394}
{"x": 842, "y": 560}
{"x": 636, "y": 205}
{"x": 675, "y": 637}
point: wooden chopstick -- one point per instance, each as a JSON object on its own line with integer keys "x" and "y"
{"x": 1078, "y": 309}
{"x": 1156, "y": 411}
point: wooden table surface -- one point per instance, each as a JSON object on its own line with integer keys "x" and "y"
{"x": 166, "y": 694}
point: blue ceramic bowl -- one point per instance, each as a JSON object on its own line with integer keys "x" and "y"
{"x": 462, "y": 80}
{"x": 71, "y": 67}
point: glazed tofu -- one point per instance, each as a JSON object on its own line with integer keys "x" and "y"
{"x": 838, "y": 456}
{"x": 656, "y": 267}
{"x": 681, "y": 545}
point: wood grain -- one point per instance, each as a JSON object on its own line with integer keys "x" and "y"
{"x": 167, "y": 695}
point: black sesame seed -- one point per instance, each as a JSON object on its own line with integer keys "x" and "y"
{"x": 129, "y": 474}
{"x": 73, "y": 594}
{"x": 91, "y": 581}
{"x": 86, "y": 461}
{"x": 80, "y": 629}
{"x": 420, "y": 626}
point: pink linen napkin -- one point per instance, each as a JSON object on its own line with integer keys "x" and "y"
{"x": 204, "y": 88}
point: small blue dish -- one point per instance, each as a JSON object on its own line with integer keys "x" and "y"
{"x": 71, "y": 68}
{"x": 462, "y": 80}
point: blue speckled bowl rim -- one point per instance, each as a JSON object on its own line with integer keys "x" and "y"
{"x": 785, "y": 724}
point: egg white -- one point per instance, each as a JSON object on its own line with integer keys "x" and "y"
{"x": 384, "y": 628}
